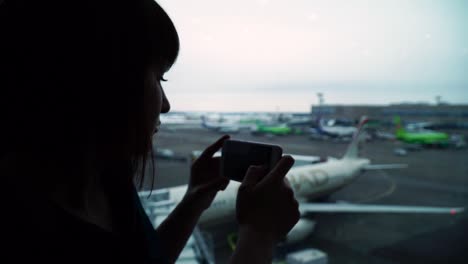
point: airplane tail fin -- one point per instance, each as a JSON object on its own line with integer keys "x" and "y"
{"x": 353, "y": 151}
{"x": 204, "y": 124}
{"x": 319, "y": 124}
{"x": 399, "y": 127}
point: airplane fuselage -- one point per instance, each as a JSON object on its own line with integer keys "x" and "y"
{"x": 308, "y": 182}
{"x": 316, "y": 180}
{"x": 338, "y": 131}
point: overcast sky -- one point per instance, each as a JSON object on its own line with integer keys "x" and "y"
{"x": 270, "y": 55}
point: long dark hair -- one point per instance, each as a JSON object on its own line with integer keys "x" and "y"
{"x": 72, "y": 83}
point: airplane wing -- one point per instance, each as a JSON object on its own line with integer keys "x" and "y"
{"x": 302, "y": 160}
{"x": 367, "y": 208}
{"x": 305, "y": 158}
{"x": 385, "y": 166}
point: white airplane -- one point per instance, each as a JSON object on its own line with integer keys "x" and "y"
{"x": 174, "y": 121}
{"x": 308, "y": 182}
{"x": 334, "y": 131}
{"x": 230, "y": 125}
{"x": 222, "y": 127}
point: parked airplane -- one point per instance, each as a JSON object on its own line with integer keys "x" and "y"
{"x": 175, "y": 121}
{"x": 308, "y": 182}
{"x": 277, "y": 130}
{"x": 228, "y": 126}
{"x": 334, "y": 131}
{"x": 424, "y": 137}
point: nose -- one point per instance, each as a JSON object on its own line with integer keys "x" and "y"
{"x": 166, "y": 106}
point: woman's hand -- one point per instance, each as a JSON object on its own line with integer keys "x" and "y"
{"x": 205, "y": 182}
{"x": 266, "y": 203}
{"x": 205, "y": 179}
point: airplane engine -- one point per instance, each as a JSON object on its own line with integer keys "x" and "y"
{"x": 300, "y": 231}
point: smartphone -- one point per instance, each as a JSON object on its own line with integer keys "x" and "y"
{"x": 237, "y": 156}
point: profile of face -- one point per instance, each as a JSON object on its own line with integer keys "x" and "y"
{"x": 160, "y": 49}
{"x": 155, "y": 99}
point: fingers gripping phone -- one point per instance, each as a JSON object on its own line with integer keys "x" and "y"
{"x": 237, "y": 156}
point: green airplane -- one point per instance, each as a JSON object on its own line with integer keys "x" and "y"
{"x": 279, "y": 130}
{"x": 425, "y": 137}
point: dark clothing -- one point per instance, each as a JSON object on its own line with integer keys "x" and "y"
{"x": 40, "y": 231}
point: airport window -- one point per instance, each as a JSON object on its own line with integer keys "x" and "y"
{"x": 377, "y": 87}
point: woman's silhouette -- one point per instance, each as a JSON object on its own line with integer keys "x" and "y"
{"x": 80, "y": 99}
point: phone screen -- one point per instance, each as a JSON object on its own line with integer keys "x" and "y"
{"x": 239, "y": 156}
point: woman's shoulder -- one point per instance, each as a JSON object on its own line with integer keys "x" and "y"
{"x": 29, "y": 211}
{"x": 37, "y": 229}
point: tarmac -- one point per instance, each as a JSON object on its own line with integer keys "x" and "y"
{"x": 435, "y": 177}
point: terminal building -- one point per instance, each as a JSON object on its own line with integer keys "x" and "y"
{"x": 455, "y": 115}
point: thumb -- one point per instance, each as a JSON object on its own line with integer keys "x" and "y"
{"x": 253, "y": 175}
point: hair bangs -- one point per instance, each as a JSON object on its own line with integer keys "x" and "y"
{"x": 163, "y": 39}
